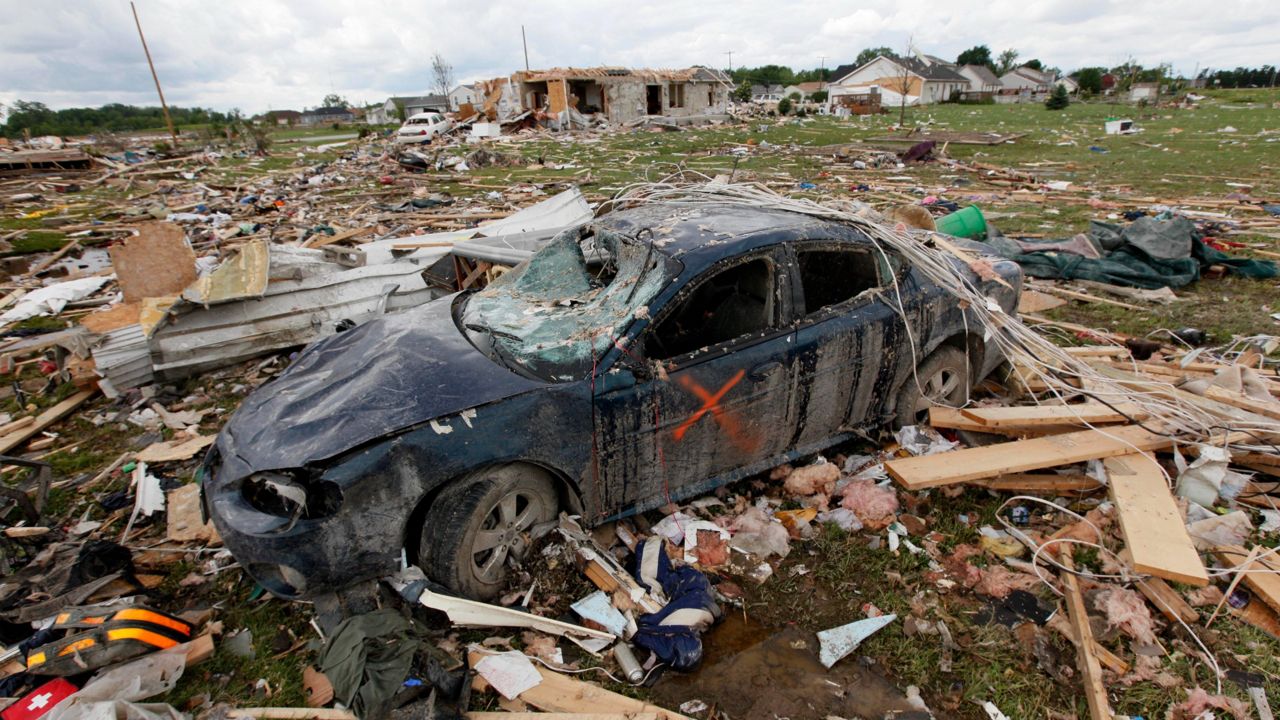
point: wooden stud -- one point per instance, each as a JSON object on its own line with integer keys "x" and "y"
{"x": 1155, "y": 535}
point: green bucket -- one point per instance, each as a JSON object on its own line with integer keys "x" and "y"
{"x": 965, "y": 222}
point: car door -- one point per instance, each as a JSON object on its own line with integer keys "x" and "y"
{"x": 849, "y": 339}
{"x": 719, "y": 399}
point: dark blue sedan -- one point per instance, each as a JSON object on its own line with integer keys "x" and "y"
{"x": 648, "y": 356}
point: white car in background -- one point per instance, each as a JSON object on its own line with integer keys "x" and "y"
{"x": 423, "y": 127}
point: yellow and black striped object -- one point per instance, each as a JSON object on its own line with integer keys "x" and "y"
{"x": 105, "y": 638}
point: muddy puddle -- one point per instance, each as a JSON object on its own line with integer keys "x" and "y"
{"x": 751, "y": 672}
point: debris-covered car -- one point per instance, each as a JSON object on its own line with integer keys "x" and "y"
{"x": 647, "y": 356}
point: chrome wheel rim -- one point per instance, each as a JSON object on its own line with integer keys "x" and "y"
{"x": 503, "y": 534}
{"x": 936, "y": 389}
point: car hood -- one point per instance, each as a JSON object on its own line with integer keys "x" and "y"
{"x": 386, "y": 375}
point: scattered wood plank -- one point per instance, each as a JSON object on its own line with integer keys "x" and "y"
{"x": 1155, "y": 536}
{"x": 1265, "y": 585}
{"x": 279, "y": 713}
{"x": 1040, "y": 482}
{"x": 1167, "y": 600}
{"x": 185, "y": 520}
{"x": 320, "y": 239}
{"x": 44, "y": 420}
{"x": 1235, "y": 399}
{"x": 1034, "y": 301}
{"x": 1257, "y": 614}
{"x": 1090, "y": 671}
{"x": 959, "y": 466}
{"x": 560, "y": 716}
{"x": 175, "y": 450}
{"x": 1085, "y": 297}
{"x": 945, "y": 417}
{"x": 157, "y": 262}
{"x": 561, "y": 693}
{"x": 1036, "y": 415}
{"x": 47, "y": 262}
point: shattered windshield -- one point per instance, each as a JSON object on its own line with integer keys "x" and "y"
{"x": 554, "y": 315}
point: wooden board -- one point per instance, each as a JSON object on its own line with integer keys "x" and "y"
{"x": 44, "y": 420}
{"x": 1264, "y": 585}
{"x": 1155, "y": 536}
{"x": 1033, "y": 301}
{"x": 945, "y": 417}
{"x": 1090, "y": 671}
{"x": 158, "y": 262}
{"x": 1040, "y": 482}
{"x": 1038, "y": 415}
{"x": 560, "y": 716}
{"x": 175, "y": 450}
{"x": 976, "y": 463}
{"x": 1167, "y": 600}
{"x": 1235, "y": 399}
{"x": 561, "y": 693}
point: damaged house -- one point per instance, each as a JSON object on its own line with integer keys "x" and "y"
{"x": 622, "y": 94}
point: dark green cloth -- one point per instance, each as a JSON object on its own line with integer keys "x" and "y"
{"x": 367, "y": 660}
{"x": 1150, "y": 252}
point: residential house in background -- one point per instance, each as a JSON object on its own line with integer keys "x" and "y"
{"x": 464, "y": 95}
{"x": 1108, "y": 83}
{"x": 804, "y": 89}
{"x": 623, "y": 94}
{"x": 1027, "y": 79}
{"x": 283, "y": 117}
{"x": 981, "y": 79}
{"x": 377, "y": 115}
{"x": 412, "y": 105}
{"x": 920, "y": 81}
{"x": 766, "y": 93}
{"x": 326, "y": 116}
{"x": 1069, "y": 83}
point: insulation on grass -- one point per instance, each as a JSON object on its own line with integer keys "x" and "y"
{"x": 873, "y": 504}
{"x": 1126, "y": 610}
{"x": 998, "y": 581}
{"x": 1199, "y": 701}
{"x": 812, "y": 479}
{"x": 756, "y": 532}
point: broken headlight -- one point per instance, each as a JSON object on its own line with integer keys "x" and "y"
{"x": 292, "y": 495}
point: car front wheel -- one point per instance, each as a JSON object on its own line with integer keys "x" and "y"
{"x": 942, "y": 379}
{"x": 479, "y": 526}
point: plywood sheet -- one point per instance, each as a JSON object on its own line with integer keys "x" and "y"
{"x": 156, "y": 262}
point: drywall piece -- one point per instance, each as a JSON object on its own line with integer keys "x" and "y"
{"x": 1155, "y": 536}
{"x": 838, "y": 642}
{"x": 154, "y": 263}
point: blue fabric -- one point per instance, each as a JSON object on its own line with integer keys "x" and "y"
{"x": 677, "y": 645}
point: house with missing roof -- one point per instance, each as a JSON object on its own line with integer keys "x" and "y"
{"x": 622, "y": 94}
{"x": 922, "y": 80}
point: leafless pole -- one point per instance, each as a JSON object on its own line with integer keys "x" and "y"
{"x": 730, "y": 54}
{"x": 163, "y": 106}
{"x": 525, "y": 42}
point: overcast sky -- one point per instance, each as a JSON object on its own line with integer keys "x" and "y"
{"x": 273, "y": 54}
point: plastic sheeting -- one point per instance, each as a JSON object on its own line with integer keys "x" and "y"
{"x": 50, "y": 300}
{"x": 1150, "y": 252}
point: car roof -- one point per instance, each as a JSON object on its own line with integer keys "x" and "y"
{"x": 423, "y": 115}
{"x": 701, "y": 235}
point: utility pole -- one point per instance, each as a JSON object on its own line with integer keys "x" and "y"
{"x": 525, "y": 42}
{"x": 822, "y": 72}
{"x": 163, "y": 106}
{"x": 730, "y": 54}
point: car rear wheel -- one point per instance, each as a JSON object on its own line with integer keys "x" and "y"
{"x": 479, "y": 526}
{"x": 942, "y": 379}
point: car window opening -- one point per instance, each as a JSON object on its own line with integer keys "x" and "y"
{"x": 735, "y": 302}
{"x": 554, "y": 316}
{"x": 830, "y": 277}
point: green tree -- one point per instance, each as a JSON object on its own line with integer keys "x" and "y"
{"x": 1034, "y": 64}
{"x": 1006, "y": 61}
{"x": 1058, "y": 99}
{"x": 333, "y": 100}
{"x": 784, "y": 106}
{"x": 976, "y": 55}
{"x": 1090, "y": 79}
{"x": 742, "y": 93}
{"x": 819, "y": 96}
{"x": 870, "y": 54}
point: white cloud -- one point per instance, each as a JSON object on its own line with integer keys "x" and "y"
{"x": 260, "y": 54}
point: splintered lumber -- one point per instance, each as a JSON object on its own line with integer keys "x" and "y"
{"x": 945, "y": 417}
{"x": 1244, "y": 402}
{"x": 44, "y": 420}
{"x": 560, "y": 716}
{"x": 1037, "y": 415}
{"x": 279, "y": 713}
{"x": 1155, "y": 536}
{"x": 1264, "y": 576}
{"x": 957, "y": 466}
{"x": 1039, "y": 482}
{"x": 1167, "y": 600}
{"x": 563, "y": 694}
{"x": 1257, "y": 614}
{"x": 1090, "y": 670}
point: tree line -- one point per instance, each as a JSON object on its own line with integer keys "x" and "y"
{"x": 37, "y": 119}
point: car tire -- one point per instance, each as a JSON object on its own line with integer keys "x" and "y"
{"x": 942, "y": 379}
{"x": 479, "y": 523}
